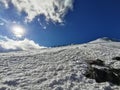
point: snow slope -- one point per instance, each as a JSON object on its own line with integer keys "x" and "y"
{"x": 61, "y": 68}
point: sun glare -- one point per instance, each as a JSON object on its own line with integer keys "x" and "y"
{"x": 18, "y": 31}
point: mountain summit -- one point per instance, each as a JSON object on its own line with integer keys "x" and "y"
{"x": 104, "y": 39}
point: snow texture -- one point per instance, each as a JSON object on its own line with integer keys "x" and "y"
{"x": 61, "y": 68}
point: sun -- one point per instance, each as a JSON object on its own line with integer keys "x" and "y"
{"x": 18, "y": 31}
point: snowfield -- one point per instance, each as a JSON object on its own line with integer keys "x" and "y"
{"x": 90, "y": 66}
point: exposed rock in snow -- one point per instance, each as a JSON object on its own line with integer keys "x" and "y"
{"x": 102, "y": 73}
{"x": 116, "y": 58}
{"x": 92, "y": 66}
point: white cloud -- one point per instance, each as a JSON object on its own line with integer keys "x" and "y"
{"x": 54, "y": 10}
{"x": 7, "y": 44}
{"x": 1, "y": 23}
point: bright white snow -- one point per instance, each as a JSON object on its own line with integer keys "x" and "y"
{"x": 61, "y": 68}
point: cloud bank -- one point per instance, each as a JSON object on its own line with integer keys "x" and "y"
{"x": 7, "y": 44}
{"x": 54, "y": 10}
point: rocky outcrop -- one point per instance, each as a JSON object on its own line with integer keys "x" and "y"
{"x": 101, "y": 73}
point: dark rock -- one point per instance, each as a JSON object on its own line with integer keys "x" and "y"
{"x": 116, "y": 58}
{"x": 108, "y": 88}
{"x": 3, "y": 88}
{"x": 104, "y": 74}
{"x": 41, "y": 80}
{"x": 11, "y": 83}
{"x": 96, "y": 62}
{"x": 73, "y": 77}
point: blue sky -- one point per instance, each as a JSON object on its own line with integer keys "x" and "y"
{"x": 88, "y": 20}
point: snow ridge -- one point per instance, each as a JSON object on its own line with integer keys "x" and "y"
{"x": 104, "y": 39}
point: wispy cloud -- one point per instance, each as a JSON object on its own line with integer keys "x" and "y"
{"x": 7, "y": 44}
{"x": 3, "y": 20}
{"x": 54, "y": 10}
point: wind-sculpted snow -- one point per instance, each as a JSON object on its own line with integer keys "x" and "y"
{"x": 62, "y": 68}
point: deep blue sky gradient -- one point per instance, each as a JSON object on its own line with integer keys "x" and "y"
{"x": 89, "y": 20}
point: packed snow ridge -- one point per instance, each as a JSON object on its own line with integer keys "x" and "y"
{"x": 105, "y": 39}
{"x": 90, "y": 66}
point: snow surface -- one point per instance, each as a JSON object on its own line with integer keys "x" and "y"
{"x": 60, "y": 68}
